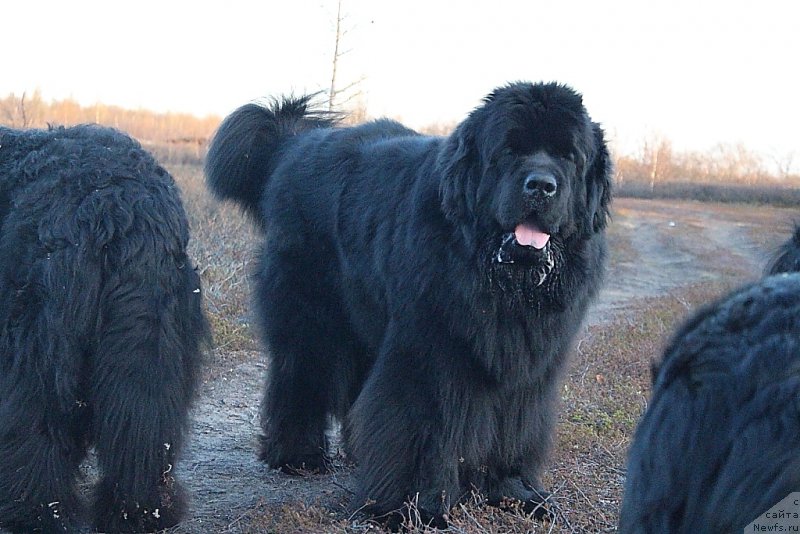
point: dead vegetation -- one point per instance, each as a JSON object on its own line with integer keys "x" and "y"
{"x": 724, "y": 173}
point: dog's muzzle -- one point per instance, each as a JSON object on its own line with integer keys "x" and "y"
{"x": 511, "y": 252}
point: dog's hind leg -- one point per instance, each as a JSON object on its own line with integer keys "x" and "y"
{"x": 43, "y": 416}
{"x": 315, "y": 362}
{"x": 41, "y": 447}
{"x": 143, "y": 379}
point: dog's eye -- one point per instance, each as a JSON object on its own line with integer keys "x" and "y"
{"x": 576, "y": 158}
{"x": 571, "y": 157}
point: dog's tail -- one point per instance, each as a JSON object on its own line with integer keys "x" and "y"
{"x": 246, "y": 147}
{"x": 787, "y": 258}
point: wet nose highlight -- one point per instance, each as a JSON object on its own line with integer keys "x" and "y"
{"x": 541, "y": 183}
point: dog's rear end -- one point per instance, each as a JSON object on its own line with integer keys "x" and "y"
{"x": 100, "y": 334}
{"x": 718, "y": 443}
{"x": 243, "y": 152}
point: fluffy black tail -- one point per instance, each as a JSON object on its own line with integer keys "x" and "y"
{"x": 787, "y": 259}
{"x": 244, "y": 149}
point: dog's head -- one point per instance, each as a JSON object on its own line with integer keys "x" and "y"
{"x": 528, "y": 169}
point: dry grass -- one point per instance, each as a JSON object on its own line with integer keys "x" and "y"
{"x": 223, "y": 247}
{"x": 604, "y": 396}
{"x": 766, "y": 194}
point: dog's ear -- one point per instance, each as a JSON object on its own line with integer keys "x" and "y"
{"x": 598, "y": 183}
{"x": 457, "y": 162}
{"x": 787, "y": 258}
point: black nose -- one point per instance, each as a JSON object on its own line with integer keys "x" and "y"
{"x": 541, "y": 183}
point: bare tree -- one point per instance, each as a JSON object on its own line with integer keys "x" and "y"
{"x": 338, "y": 38}
{"x": 22, "y": 111}
{"x": 14, "y": 112}
{"x": 7, "y": 106}
{"x": 657, "y": 153}
{"x": 784, "y": 165}
{"x": 335, "y": 91}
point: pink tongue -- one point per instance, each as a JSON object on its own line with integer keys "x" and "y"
{"x": 530, "y": 236}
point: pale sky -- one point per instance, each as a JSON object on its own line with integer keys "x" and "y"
{"x": 697, "y": 72}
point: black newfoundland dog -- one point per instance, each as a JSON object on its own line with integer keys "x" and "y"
{"x": 426, "y": 289}
{"x": 719, "y": 443}
{"x": 100, "y": 330}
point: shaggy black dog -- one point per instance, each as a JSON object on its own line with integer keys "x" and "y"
{"x": 100, "y": 330}
{"x": 427, "y": 288}
{"x": 719, "y": 443}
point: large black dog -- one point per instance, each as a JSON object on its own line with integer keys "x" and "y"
{"x": 100, "y": 330}
{"x": 427, "y": 288}
{"x": 719, "y": 443}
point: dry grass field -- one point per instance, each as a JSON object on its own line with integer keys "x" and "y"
{"x": 667, "y": 257}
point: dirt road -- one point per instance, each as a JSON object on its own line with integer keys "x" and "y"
{"x": 660, "y": 245}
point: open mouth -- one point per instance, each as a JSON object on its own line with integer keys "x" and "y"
{"x": 529, "y": 235}
{"x": 530, "y": 246}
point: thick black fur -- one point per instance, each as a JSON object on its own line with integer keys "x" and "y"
{"x": 718, "y": 445}
{"x": 787, "y": 258}
{"x": 382, "y": 299}
{"x": 100, "y": 331}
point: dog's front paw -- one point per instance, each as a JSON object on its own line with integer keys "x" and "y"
{"x": 514, "y": 494}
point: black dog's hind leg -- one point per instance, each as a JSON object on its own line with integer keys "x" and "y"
{"x": 41, "y": 447}
{"x": 314, "y": 360}
{"x": 43, "y": 416}
{"x": 143, "y": 381}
